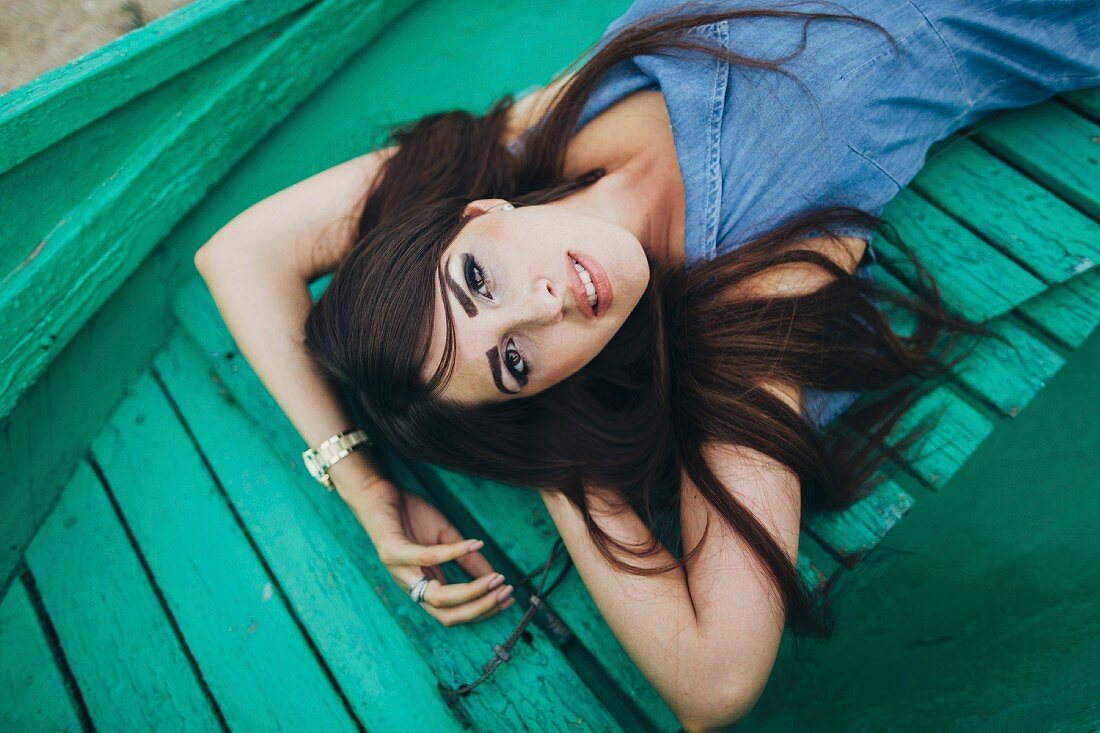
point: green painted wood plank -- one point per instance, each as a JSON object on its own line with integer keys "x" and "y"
{"x": 117, "y": 640}
{"x": 259, "y": 668}
{"x": 1008, "y": 375}
{"x": 1086, "y": 101}
{"x": 562, "y": 697}
{"x": 40, "y": 200}
{"x": 853, "y": 533}
{"x": 812, "y": 577}
{"x": 363, "y": 643}
{"x": 82, "y": 260}
{"x": 1054, "y": 145}
{"x": 960, "y": 427}
{"x": 957, "y": 432}
{"x": 975, "y": 279}
{"x": 65, "y": 99}
{"x": 1033, "y": 226}
{"x": 1069, "y": 312}
{"x": 32, "y": 688}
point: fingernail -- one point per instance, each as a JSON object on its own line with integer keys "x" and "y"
{"x": 496, "y": 581}
{"x": 508, "y": 603}
{"x": 504, "y": 593}
{"x": 476, "y": 545}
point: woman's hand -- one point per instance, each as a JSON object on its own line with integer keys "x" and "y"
{"x": 413, "y": 539}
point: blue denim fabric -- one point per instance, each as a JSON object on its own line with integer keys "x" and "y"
{"x": 756, "y": 148}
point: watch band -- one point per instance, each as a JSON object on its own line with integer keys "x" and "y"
{"x": 319, "y": 460}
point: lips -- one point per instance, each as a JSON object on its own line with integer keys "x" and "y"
{"x": 599, "y": 280}
{"x": 577, "y": 287}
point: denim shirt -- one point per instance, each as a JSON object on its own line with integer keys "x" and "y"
{"x": 756, "y": 148}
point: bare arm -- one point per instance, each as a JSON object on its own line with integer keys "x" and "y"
{"x": 258, "y": 268}
{"x": 706, "y": 636}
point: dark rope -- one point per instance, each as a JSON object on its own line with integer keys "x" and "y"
{"x": 502, "y": 652}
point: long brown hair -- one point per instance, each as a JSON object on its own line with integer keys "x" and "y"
{"x": 683, "y": 370}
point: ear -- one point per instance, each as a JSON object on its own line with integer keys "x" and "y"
{"x": 478, "y": 207}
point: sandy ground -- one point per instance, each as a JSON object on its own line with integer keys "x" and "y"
{"x": 37, "y": 35}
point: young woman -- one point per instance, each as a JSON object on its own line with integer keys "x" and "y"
{"x": 644, "y": 292}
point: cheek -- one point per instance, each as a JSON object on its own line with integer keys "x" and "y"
{"x": 570, "y": 352}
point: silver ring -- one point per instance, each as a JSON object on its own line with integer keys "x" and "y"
{"x": 419, "y": 588}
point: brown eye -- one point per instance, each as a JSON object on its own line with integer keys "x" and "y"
{"x": 475, "y": 277}
{"x": 517, "y": 363}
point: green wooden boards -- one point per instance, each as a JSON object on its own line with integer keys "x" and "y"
{"x": 33, "y": 695}
{"x": 124, "y": 653}
{"x": 144, "y": 168}
{"x": 975, "y": 279}
{"x": 1054, "y": 145}
{"x": 1034, "y": 227}
{"x": 503, "y": 517}
{"x": 228, "y": 567}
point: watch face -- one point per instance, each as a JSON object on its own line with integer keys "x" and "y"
{"x": 312, "y": 466}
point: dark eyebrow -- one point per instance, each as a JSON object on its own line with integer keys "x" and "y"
{"x": 467, "y": 305}
{"x": 494, "y": 364}
{"x": 471, "y": 310}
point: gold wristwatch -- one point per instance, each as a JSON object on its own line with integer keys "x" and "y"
{"x": 318, "y": 461}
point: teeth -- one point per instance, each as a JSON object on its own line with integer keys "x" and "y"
{"x": 589, "y": 288}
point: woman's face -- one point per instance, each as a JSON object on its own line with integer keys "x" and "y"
{"x": 521, "y": 312}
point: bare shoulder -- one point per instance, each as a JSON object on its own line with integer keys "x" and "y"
{"x": 799, "y": 277}
{"x": 634, "y": 125}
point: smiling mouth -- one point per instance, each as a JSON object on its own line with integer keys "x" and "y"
{"x": 596, "y": 293}
{"x": 585, "y": 297}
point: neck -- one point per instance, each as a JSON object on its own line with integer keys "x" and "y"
{"x": 640, "y": 197}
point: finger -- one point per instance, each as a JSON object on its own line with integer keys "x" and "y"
{"x": 469, "y": 611}
{"x": 450, "y": 595}
{"x": 508, "y": 603}
{"x": 410, "y": 553}
{"x": 475, "y": 564}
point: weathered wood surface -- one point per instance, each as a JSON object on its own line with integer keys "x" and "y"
{"x": 244, "y": 638}
{"x": 131, "y": 667}
{"x": 33, "y": 695}
{"x": 72, "y": 96}
{"x": 1006, "y": 222}
{"x": 146, "y": 168}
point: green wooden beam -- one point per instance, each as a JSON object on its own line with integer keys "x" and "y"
{"x": 246, "y": 642}
{"x": 67, "y": 98}
{"x": 850, "y": 535}
{"x": 1025, "y": 221}
{"x": 1069, "y": 312}
{"x": 70, "y": 270}
{"x": 117, "y": 638}
{"x": 1055, "y": 146}
{"x": 33, "y": 695}
{"x": 975, "y": 279}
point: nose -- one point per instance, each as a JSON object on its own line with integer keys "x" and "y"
{"x": 546, "y": 305}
